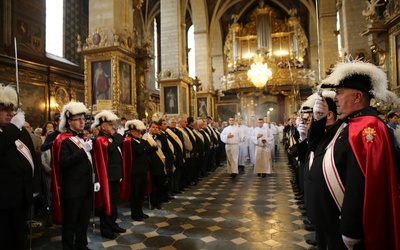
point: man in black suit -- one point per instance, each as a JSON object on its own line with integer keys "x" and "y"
{"x": 215, "y": 144}
{"x": 108, "y": 158}
{"x": 187, "y": 142}
{"x": 168, "y": 150}
{"x": 208, "y": 146}
{"x": 191, "y": 162}
{"x": 157, "y": 166}
{"x": 220, "y": 154}
{"x": 17, "y": 172}
{"x": 352, "y": 197}
{"x": 135, "y": 152}
{"x": 73, "y": 173}
{"x": 176, "y": 138}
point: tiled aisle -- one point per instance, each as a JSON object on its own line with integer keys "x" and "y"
{"x": 248, "y": 212}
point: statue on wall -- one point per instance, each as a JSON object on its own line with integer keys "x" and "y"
{"x": 370, "y": 12}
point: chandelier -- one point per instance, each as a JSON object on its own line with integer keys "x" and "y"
{"x": 259, "y": 72}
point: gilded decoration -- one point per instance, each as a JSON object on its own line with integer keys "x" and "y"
{"x": 97, "y": 39}
{"x": 127, "y": 40}
{"x": 137, "y": 4}
{"x": 8, "y": 73}
{"x": 289, "y": 74}
{"x": 108, "y": 65}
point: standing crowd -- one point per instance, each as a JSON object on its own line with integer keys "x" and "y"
{"x": 344, "y": 160}
{"x": 343, "y": 156}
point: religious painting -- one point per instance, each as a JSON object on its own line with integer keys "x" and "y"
{"x": 29, "y": 36}
{"x": 33, "y": 99}
{"x": 101, "y": 80}
{"x": 125, "y": 79}
{"x": 171, "y": 100}
{"x": 62, "y": 97}
{"x": 395, "y": 59}
{"x": 202, "y": 107}
{"x": 224, "y": 111}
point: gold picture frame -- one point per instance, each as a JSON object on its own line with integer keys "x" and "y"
{"x": 226, "y": 110}
{"x": 395, "y": 59}
{"x": 117, "y": 86}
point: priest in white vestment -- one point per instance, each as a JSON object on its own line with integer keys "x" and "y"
{"x": 243, "y": 146}
{"x": 231, "y": 136}
{"x": 251, "y": 144}
{"x": 261, "y": 137}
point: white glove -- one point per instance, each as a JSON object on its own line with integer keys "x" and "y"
{"x": 96, "y": 187}
{"x": 320, "y": 108}
{"x": 87, "y": 146}
{"x": 298, "y": 120}
{"x": 349, "y": 242}
{"x": 19, "y": 119}
{"x": 302, "y": 128}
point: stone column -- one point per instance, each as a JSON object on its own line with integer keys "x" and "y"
{"x": 327, "y": 25}
{"x": 174, "y": 80}
{"x": 110, "y": 55}
{"x": 352, "y": 23}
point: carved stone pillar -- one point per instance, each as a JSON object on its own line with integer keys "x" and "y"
{"x": 175, "y": 83}
{"x": 110, "y": 57}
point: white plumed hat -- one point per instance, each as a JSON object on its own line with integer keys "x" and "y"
{"x": 134, "y": 125}
{"x": 104, "y": 116}
{"x": 356, "y": 74}
{"x": 8, "y": 95}
{"x": 69, "y": 110}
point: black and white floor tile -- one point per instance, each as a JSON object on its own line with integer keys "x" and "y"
{"x": 248, "y": 212}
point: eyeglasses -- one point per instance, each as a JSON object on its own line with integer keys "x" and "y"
{"x": 78, "y": 119}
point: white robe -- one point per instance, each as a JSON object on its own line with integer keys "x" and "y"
{"x": 243, "y": 147}
{"x": 271, "y": 140}
{"x": 263, "y": 160}
{"x": 231, "y": 147}
{"x": 251, "y": 145}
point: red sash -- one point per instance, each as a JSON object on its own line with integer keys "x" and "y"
{"x": 100, "y": 152}
{"x": 56, "y": 180}
{"x": 370, "y": 142}
{"x": 127, "y": 163}
{"x": 126, "y": 183}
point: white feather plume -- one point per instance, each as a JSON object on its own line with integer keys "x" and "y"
{"x": 70, "y": 109}
{"x": 139, "y": 125}
{"x": 346, "y": 69}
{"x": 102, "y": 116}
{"x": 8, "y": 95}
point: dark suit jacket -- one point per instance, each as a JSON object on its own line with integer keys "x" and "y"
{"x": 76, "y": 171}
{"x": 141, "y": 150}
{"x": 199, "y": 145}
{"x": 192, "y": 140}
{"x": 207, "y": 143}
{"x": 169, "y": 156}
{"x": 179, "y": 154}
{"x": 16, "y": 177}
{"x": 156, "y": 165}
{"x": 114, "y": 164}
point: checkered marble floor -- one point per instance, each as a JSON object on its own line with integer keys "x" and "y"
{"x": 248, "y": 212}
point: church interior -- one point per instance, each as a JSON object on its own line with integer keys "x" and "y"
{"x": 246, "y": 59}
